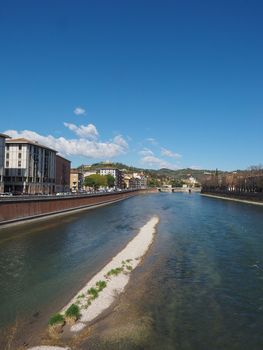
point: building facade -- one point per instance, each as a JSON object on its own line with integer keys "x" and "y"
{"x": 76, "y": 180}
{"x": 2, "y": 160}
{"x": 116, "y": 173}
{"x": 138, "y": 182}
{"x": 29, "y": 167}
{"x": 62, "y": 174}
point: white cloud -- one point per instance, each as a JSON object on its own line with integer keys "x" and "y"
{"x": 119, "y": 140}
{"x": 167, "y": 153}
{"x": 158, "y": 163}
{"x": 152, "y": 141}
{"x": 89, "y": 131}
{"x": 146, "y": 152}
{"x": 79, "y": 111}
{"x": 85, "y": 147}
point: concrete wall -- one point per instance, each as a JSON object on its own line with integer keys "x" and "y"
{"x": 249, "y": 196}
{"x": 18, "y": 209}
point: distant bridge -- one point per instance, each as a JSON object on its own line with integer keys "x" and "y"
{"x": 178, "y": 189}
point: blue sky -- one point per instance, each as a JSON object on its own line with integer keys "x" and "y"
{"x": 148, "y": 83}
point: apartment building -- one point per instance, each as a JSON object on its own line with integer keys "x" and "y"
{"x": 62, "y": 174}
{"x": 116, "y": 173}
{"x": 138, "y": 182}
{"x": 29, "y": 167}
{"x": 2, "y": 160}
{"x": 76, "y": 180}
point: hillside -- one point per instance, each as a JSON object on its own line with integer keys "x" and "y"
{"x": 160, "y": 173}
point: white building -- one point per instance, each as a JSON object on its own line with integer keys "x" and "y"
{"x": 29, "y": 167}
{"x": 2, "y": 160}
{"x": 116, "y": 173}
{"x": 88, "y": 173}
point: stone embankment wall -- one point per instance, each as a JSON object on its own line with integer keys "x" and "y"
{"x": 18, "y": 209}
{"x": 247, "y": 196}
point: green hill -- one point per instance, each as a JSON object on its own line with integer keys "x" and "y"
{"x": 161, "y": 174}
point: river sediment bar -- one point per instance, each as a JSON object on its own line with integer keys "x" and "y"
{"x": 115, "y": 275}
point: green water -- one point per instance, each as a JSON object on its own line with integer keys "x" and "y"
{"x": 205, "y": 289}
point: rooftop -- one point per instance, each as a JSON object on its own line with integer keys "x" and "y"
{"x": 60, "y": 156}
{"x": 4, "y": 136}
{"x": 26, "y": 141}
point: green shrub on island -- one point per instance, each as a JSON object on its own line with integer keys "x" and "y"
{"x": 101, "y": 285}
{"x": 56, "y": 320}
{"x": 73, "y": 312}
{"x": 80, "y": 296}
{"x": 115, "y": 272}
{"x": 93, "y": 292}
{"x": 129, "y": 267}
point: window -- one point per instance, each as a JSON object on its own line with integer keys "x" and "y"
{"x": 7, "y": 147}
{"x": 19, "y": 163}
{"x": 20, "y": 147}
{"x": 19, "y": 173}
{"x": 19, "y": 155}
{"x": 7, "y": 155}
{"x": 7, "y": 163}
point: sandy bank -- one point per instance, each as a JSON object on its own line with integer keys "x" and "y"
{"x": 116, "y": 276}
{"x": 113, "y": 278}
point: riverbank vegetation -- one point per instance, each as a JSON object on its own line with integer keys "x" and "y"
{"x": 247, "y": 183}
{"x": 84, "y": 300}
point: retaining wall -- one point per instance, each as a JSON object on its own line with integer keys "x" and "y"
{"x": 18, "y": 209}
{"x": 249, "y": 196}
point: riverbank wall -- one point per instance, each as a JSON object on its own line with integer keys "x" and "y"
{"x": 13, "y": 210}
{"x": 245, "y": 197}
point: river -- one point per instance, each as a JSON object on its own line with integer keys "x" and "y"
{"x": 200, "y": 287}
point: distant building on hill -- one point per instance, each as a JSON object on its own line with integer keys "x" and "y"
{"x": 116, "y": 173}
{"x": 88, "y": 173}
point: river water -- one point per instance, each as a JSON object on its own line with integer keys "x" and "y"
{"x": 202, "y": 281}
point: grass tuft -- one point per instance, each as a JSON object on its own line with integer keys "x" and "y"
{"x": 115, "y": 272}
{"x": 93, "y": 292}
{"x": 56, "y": 319}
{"x": 73, "y": 312}
{"x": 101, "y": 285}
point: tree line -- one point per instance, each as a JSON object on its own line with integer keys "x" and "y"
{"x": 250, "y": 180}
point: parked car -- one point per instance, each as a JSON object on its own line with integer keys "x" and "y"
{"x": 6, "y": 194}
{"x": 16, "y": 193}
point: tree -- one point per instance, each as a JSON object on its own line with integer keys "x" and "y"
{"x": 110, "y": 180}
{"x": 95, "y": 181}
{"x": 177, "y": 183}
